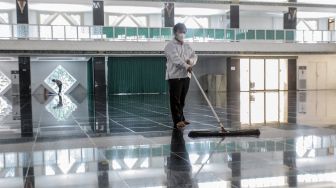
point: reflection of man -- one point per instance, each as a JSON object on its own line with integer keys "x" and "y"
{"x": 59, "y": 85}
{"x": 179, "y": 171}
{"x": 60, "y": 102}
{"x": 180, "y": 60}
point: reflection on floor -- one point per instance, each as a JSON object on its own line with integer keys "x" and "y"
{"x": 128, "y": 141}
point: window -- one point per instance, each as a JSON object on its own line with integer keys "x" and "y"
{"x": 4, "y": 18}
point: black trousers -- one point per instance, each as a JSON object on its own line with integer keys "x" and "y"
{"x": 60, "y": 88}
{"x": 178, "y": 89}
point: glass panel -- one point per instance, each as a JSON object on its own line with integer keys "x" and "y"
{"x": 283, "y": 104}
{"x": 317, "y": 36}
{"x": 230, "y": 34}
{"x": 257, "y": 108}
{"x": 290, "y": 35}
{"x": 283, "y": 82}
{"x": 33, "y": 31}
{"x": 244, "y": 75}
{"x": 270, "y": 35}
{"x": 272, "y": 107}
{"x": 240, "y": 35}
{"x": 198, "y": 34}
{"x": 308, "y": 36}
{"x": 120, "y": 32}
{"x": 209, "y": 34}
{"x": 272, "y": 74}
{"x": 299, "y": 36}
{"x": 71, "y": 32}
{"x": 58, "y": 32}
{"x": 108, "y": 32}
{"x": 245, "y": 108}
{"x": 143, "y": 33}
{"x": 257, "y": 74}
{"x": 131, "y": 33}
{"x": 45, "y": 32}
{"x": 280, "y": 35}
{"x": 250, "y": 35}
{"x": 83, "y": 32}
{"x": 96, "y": 32}
{"x": 166, "y": 33}
{"x": 6, "y": 31}
{"x": 154, "y": 33}
{"x": 219, "y": 34}
{"x": 261, "y": 34}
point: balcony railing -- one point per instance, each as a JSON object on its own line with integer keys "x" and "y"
{"x": 106, "y": 33}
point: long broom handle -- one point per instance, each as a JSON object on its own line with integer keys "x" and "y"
{"x": 208, "y": 101}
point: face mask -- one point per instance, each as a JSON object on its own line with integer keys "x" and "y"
{"x": 180, "y": 36}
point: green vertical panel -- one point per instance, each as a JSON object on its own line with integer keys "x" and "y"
{"x": 136, "y": 75}
{"x": 290, "y": 35}
{"x": 131, "y": 32}
{"x": 280, "y": 35}
{"x": 120, "y": 32}
{"x": 260, "y": 34}
{"x": 209, "y": 33}
{"x": 219, "y": 34}
{"x": 230, "y": 34}
{"x": 270, "y": 35}
{"x": 108, "y": 32}
{"x": 154, "y": 33}
{"x": 166, "y": 33}
{"x": 143, "y": 32}
{"x": 250, "y": 35}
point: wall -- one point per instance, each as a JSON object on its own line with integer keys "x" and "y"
{"x": 208, "y": 65}
{"x": 41, "y": 69}
{"x": 7, "y": 66}
{"x": 320, "y": 71}
{"x": 255, "y": 20}
{"x": 155, "y": 20}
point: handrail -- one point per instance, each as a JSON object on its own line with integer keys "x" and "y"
{"x": 108, "y": 33}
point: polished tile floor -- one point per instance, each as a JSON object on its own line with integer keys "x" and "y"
{"x": 128, "y": 141}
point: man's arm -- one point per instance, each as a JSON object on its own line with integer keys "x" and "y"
{"x": 193, "y": 57}
{"x": 172, "y": 55}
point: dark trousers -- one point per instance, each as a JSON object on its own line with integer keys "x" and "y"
{"x": 60, "y": 88}
{"x": 178, "y": 89}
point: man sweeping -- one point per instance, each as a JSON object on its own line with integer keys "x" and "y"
{"x": 59, "y": 85}
{"x": 180, "y": 60}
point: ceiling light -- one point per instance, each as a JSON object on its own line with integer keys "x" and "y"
{"x": 6, "y": 6}
{"x": 60, "y": 7}
{"x": 198, "y": 11}
{"x": 132, "y": 10}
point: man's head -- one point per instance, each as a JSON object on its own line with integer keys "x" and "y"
{"x": 179, "y": 31}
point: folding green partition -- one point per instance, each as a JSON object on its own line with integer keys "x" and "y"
{"x": 120, "y": 32}
{"x": 108, "y": 32}
{"x": 136, "y": 75}
{"x": 190, "y": 34}
{"x": 240, "y": 35}
{"x": 198, "y": 33}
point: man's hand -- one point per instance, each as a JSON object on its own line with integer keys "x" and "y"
{"x": 189, "y": 69}
{"x": 188, "y": 62}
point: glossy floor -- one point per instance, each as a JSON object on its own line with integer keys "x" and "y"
{"x": 128, "y": 141}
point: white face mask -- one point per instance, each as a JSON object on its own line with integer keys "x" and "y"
{"x": 180, "y": 36}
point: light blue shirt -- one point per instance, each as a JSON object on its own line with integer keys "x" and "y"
{"x": 177, "y": 55}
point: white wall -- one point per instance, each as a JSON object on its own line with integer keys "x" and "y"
{"x": 219, "y": 21}
{"x": 155, "y": 20}
{"x": 260, "y": 22}
{"x": 321, "y": 70}
{"x": 40, "y": 70}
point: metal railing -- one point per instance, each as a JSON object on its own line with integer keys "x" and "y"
{"x": 106, "y": 33}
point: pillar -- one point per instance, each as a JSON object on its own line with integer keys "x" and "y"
{"x": 290, "y": 17}
{"x": 98, "y": 12}
{"x": 169, "y": 14}
{"x": 236, "y": 169}
{"x": 103, "y": 174}
{"x": 22, "y": 12}
{"x": 234, "y": 16}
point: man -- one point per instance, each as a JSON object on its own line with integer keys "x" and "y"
{"x": 180, "y": 60}
{"x": 59, "y": 85}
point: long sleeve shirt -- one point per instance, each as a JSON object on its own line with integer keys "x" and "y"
{"x": 177, "y": 55}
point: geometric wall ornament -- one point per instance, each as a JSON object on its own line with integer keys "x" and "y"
{"x": 61, "y": 107}
{"x": 64, "y": 76}
{"x": 5, "y": 82}
{"x": 22, "y": 5}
